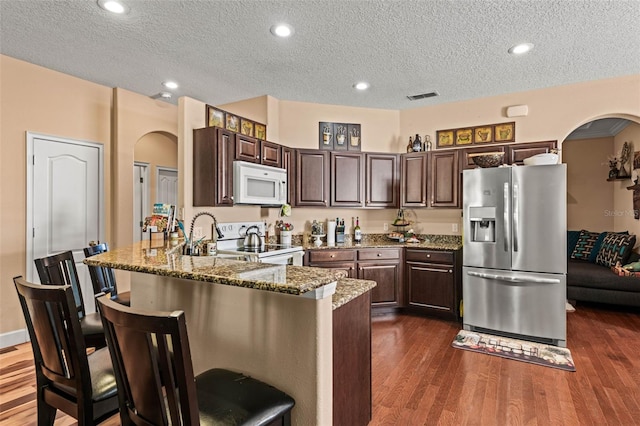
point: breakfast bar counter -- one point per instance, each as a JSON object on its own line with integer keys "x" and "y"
{"x": 271, "y": 322}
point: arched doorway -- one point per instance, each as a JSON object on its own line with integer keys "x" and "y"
{"x": 595, "y": 202}
{"x": 155, "y": 175}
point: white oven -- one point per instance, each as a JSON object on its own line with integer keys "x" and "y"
{"x": 259, "y": 184}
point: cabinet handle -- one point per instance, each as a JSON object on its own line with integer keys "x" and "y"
{"x": 450, "y": 271}
{"x": 257, "y": 157}
{"x": 379, "y": 254}
{"x": 428, "y": 255}
{"x": 333, "y": 255}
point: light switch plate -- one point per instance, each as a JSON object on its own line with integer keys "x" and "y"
{"x": 454, "y": 227}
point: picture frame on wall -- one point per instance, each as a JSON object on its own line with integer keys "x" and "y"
{"x": 354, "y": 138}
{"x": 215, "y": 117}
{"x": 483, "y": 134}
{"x": 464, "y": 136}
{"x": 504, "y": 132}
{"x": 341, "y": 141}
{"x": 246, "y": 127}
{"x": 444, "y": 138}
{"x": 325, "y": 135}
{"x": 232, "y": 122}
{"x": 260, "y": 131}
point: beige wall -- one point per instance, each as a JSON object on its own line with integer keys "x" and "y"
{"x": 157, "y": 150}
{"x": 623, "y": 198}
{"x": 589, "y": 194}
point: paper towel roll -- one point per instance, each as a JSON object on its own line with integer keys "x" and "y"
{"x": 331, "y": 233}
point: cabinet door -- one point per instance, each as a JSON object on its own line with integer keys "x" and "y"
{"x": 247, "y": 148}
{"x": 444, "y": 179}
{"x": 270, "y": 153}
{"x": 413, "y": 182}
{"x": 381, "y": 180}
{"x": 225, "y": 147}
{"x": 517, "y": 153}
{"x": 204, "y": 166}
{"x": 288, "y": 163}
{"x": 312, "y": 174}
{"x": 387, "y": 275}
{"x": 347, "y": 173}
{"x": 431, "y": 287}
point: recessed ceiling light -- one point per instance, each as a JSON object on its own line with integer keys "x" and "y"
{"x": 165, "y": 95}
{"x": 521, "y": 48}
{"x": 282, "y": 30}
{"x": 361, "y": 85}
{"x": 113, "y": 6}
{"x": 170, "y": 84}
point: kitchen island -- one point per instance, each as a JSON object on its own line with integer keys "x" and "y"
{"x": 272, "y": 322}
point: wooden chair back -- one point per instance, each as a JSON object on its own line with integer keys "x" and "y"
{"x": 102, "y": 278}
{"x": 60, "y": 269}
{"x": 60, "y": 354}
{"x": 151, "y": 359}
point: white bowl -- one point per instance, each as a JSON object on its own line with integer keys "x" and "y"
{"x": 541, "y": 159}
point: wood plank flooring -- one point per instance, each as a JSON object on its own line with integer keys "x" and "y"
{"x": 419, "y": 379}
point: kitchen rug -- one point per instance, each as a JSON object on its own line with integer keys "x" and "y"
{"x": 520, "y": 350}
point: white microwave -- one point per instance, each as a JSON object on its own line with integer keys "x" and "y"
{"x": 258, "y": 184}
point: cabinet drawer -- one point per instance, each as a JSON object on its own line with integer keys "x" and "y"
{"x": 331, "y": 255}
{"x": 430, "y": 256}
{"x": 377, "y": 254}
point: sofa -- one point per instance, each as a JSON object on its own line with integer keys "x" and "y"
{"x": 590, "y": 258}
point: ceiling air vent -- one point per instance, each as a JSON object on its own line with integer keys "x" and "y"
{"x": 422, "y": 96}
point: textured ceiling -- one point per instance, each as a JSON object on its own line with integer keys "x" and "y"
{"x": 222, "y": 51}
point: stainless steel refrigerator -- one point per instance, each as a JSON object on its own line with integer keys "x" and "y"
{"x": 514, "y": 254}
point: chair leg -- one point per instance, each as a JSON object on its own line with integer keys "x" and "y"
{"x": 286, "y": 418}
{"x": 46, "y": 413}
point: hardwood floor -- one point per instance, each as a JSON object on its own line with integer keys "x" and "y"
{"x": 418, "y": 378}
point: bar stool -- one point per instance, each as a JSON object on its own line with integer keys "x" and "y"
{"x": 102, "y": 277}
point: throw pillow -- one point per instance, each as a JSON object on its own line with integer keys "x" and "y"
{"x": 615, "y": 248}
{"x": 572, "y": 240}
{"x": 585, "y": 244}
{"x": 598, "y": 244}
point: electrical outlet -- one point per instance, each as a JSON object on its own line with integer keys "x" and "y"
{"x": 197, "y": 232}
{"x": 385, "y": 226}
{"x": 454, "y": 227}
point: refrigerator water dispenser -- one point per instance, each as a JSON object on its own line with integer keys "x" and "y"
{"x": 483, "y": 224}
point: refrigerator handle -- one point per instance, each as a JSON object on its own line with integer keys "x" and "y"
{"x": 516, "y": 214}
{"x": 513, "y": 279}
{"x": 507, "y": 228}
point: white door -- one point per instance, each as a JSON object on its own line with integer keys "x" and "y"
{"x": 167, "y": 186}
{"x": 65, "y": 207}
{"x": 140, "y": 198}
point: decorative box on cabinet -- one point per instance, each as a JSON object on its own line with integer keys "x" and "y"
{"x": 433, "y": 282}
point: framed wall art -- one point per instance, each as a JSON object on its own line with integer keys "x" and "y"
{"x": 355, "y": 142}
{"x": 504, "y": 132}
{"x": 483, "y": 134}
{"x": 444, "y": 138}
{"x": 341, "y": 142}
{"x": 325, "y": 131}
{"x": 260, "y": 131}
{"x": 246, "y": 127}
{"x": 232, "y": 123}
{"x": 464, "y": 136}
{"x": 215, "y": 117}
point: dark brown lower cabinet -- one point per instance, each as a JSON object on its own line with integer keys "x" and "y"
{"x": 352, "y": 362}
{"x": 433, "y": 282}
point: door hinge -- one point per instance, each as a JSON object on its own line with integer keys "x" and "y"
{"x": 141, "y": 224}
{"x": 33, "y": 159}
{"x": 141, "y": 180}
{"x": 33, "y": 232}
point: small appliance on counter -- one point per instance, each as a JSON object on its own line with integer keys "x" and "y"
{"x": 246, "y": 239}
{"x": 339, "y": 231}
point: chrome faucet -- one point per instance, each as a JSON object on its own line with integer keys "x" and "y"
{"x": 193, "y": 222}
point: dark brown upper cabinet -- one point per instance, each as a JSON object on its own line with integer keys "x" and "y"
{"x": 287, "y": 162}
{"x": 247, "y": 148}
{"x": 444, "y": 179}
{"x": 312, "y": 178}
{"x": 414, "y": 179}
{"x": 213, "y": 154}
{"x": 515, "y": 154}
{"x": 347, "y": 179}
{"x": 270, "y": 153}
{"x": 381, "y": 180}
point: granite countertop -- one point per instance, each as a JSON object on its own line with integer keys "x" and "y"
{"x": 167, "y": 261}
{"x": 430, "y": 242}
{"x": 348, "y": 289}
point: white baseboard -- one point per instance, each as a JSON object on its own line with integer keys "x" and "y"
{"x": 14, "y": 338}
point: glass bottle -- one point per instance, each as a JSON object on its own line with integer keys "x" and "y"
{"x": 410, "y": 146}
{"x": 357, "y": 233}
